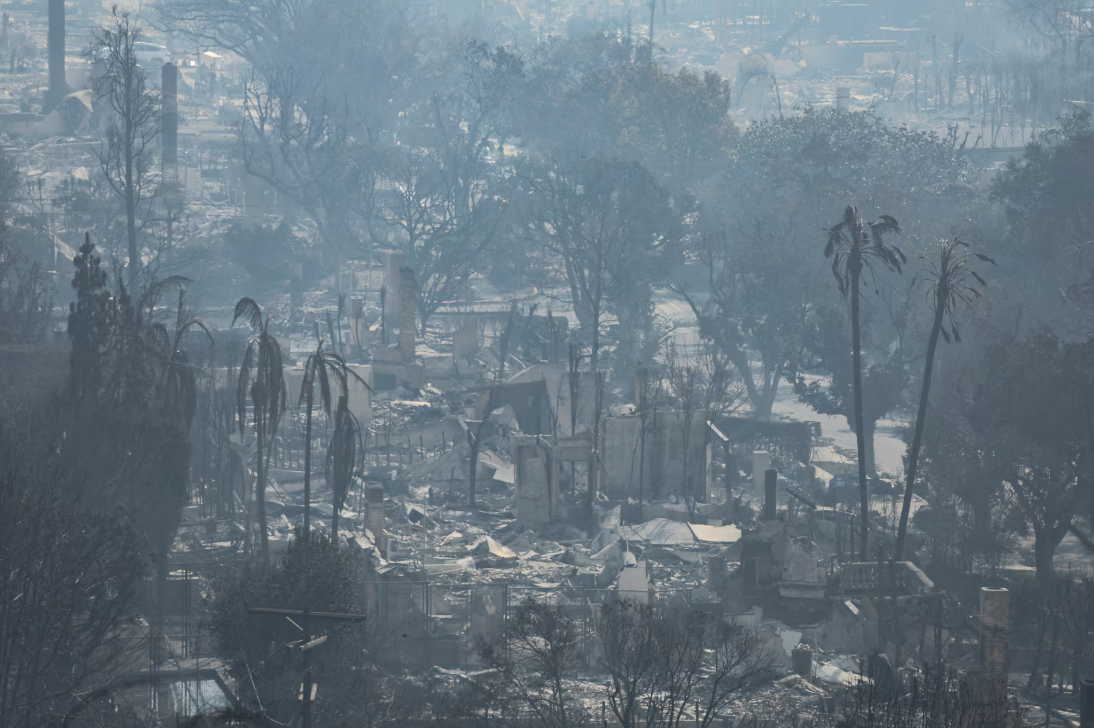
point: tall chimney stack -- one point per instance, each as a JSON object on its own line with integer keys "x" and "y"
{"x": 253, "y": 208}
{"x": 56, "y": 42}
{"x": 169, "y": 121}
{"x": 374, "y": 516}
{"x": 994, "y": 623}
{"x": 843, "y": 98}
{"x": 641, "y": 379}
{"x": 408, "y": 305}
{"x": 393, "y": 306}
{"x": 771, "y": 484}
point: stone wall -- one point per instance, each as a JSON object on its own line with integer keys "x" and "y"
{"x": 360, "y": 398}
{"x": 663, "y": 467}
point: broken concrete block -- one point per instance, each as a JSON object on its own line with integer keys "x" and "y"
{"x": 633, "y": 582}
{"x": 453, "y": 538}
{"x": 801, "y": 659}
{"x": 488, "y": 546}
{"x": 761, "y": 461}
{"x": 661, "y": 532}
{"x": 441, "y": 565}
{"x": 573, "y": 557}
{"x": 715, "y": 534}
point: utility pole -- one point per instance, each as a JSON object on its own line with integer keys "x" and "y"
{"x": 306, "y": 618}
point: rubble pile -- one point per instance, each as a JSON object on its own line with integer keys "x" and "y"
{"x": 764, "y": 553}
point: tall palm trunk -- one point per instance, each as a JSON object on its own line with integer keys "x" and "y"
{"x": 591, "y": 489}
{"x": 594, "y": 347}
{"x": 248, "y": 492}
{"x": 260, "y": 480}
{"x": 869, "y": 430}
{"x": 1044, "y": 549}
{"x": 162, "y": 572}
{"x": 1035, "y": 671}
{"x": 334, "y": 525}
{"x": 860, "y": 431}
{"x": 307, "y": 468}
{"x": 920, "y": 419}
{"x": 1051, "y": 665}
{"x": 642, "y": 466}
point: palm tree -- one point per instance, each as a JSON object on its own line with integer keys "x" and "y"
{"x": 178, "y": 380}
{"x": 175, "y": 387}
{"x": 856, "y": 246}
{"x": 345, "y": 457}
{"x": 262, "y": 359}
{"x": 328, "y": 368}
{"x": 950, "y": 282}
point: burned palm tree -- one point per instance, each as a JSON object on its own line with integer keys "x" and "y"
{"x": 178, "y": 383}
{"x": 177, "y": 388}
{"x": 334, "y": 326}
{"x": 950, "y": 282}
{"x": 262, "y": 376}
{"x": 856, "y": 247}
{"x": 327, "y": 369}
{"x": 345, "y": 457}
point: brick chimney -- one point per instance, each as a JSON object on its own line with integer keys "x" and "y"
{"x": 56, "y": 42}
{"x": 408, "y": 305}
{"x": 771, "y": 484}
{"x": 994, "y": 618}
{"x": 374, "y": 516}
{"x": 641, "y": 381}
